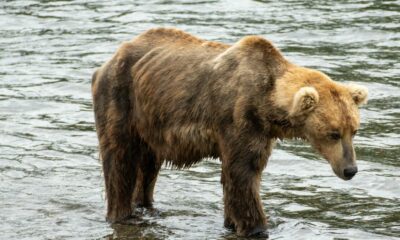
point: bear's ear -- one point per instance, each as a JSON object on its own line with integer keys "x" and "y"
{"x": 358, "y": 93}
{"x": 304, "y": 101}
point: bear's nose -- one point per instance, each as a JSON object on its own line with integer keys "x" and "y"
{"x": 350, "y": 172}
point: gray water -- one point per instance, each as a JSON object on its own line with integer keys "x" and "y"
{"x": 51, "y": 183}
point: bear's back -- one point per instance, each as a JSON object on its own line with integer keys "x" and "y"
{"x": 170, "y": 36}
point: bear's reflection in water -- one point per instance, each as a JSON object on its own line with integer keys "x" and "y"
{"x": 141, "y": 226}
{"x": 145, "y": 225}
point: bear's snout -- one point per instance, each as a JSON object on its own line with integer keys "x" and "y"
{"x": 350, "y": 172}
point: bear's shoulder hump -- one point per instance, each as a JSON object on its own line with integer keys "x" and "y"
{"x": 257, "y": 43}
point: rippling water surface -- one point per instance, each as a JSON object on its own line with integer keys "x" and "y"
{"x": 50, "y": 177}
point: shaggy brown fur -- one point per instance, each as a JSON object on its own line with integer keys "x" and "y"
{"x": 169, "y": 96}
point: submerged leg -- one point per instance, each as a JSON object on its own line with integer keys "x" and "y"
{"x": 118, "y": 151}
{"x": 241, "y": 176}
{"x": 114, "y": 106}
{"x": 149, "y": 168}
{"x": 228, "y": 222}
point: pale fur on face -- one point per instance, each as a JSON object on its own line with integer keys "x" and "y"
{"x": 318, "y": 106}
{"x": 299, "y": 90}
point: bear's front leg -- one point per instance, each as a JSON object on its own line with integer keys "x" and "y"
{"x": 241, "y": 177}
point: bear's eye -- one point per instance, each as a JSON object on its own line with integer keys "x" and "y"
{"x": 334, "y": 136}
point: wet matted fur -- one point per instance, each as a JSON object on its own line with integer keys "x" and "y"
{"x": 167, "y": 96}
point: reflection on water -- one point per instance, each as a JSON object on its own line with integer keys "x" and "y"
{"x": 50, "y": 178}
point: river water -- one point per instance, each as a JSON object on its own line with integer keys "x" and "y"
{"x": 51, "y": 184}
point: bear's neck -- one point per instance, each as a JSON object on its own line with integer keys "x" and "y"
{"x": 282, "y": 128}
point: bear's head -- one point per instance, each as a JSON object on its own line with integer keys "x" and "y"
{"x": 325, "y": 113}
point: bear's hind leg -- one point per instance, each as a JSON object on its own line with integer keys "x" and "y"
{"x": 119, "y": 168}
{"x": 149, "y": 167}
{"x": 118, "y": 150}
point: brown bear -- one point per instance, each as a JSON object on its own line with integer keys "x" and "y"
{"x": 167, "y": 96}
